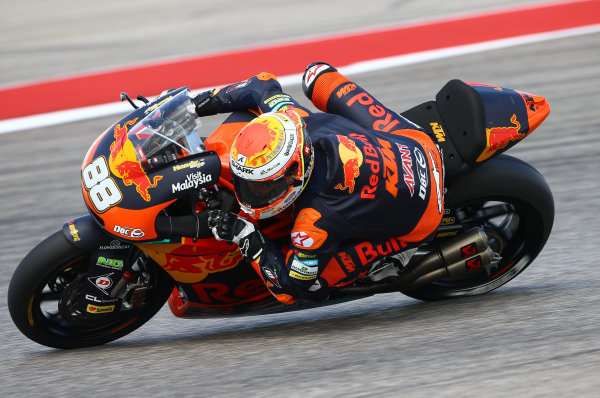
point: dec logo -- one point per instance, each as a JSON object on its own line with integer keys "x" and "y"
{"x": 133, "y": 233}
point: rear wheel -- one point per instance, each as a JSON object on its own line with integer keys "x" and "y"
{"x": 512, "y": 202}
{"x": 46, "y": 286}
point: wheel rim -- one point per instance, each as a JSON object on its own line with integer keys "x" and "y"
{"x": 53, "y": 304}
{"x": 509, "y": 226}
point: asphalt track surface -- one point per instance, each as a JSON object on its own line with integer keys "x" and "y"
{"x": 538, "y": 336}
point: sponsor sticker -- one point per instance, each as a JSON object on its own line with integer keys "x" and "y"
{"x": 192, "y": 181}
{"x": 102, "y": 282}
{"x": 297, "y": 275}
{"x": 129, "y": 232}
{"x": 304, "y": 269}
{"x": 194, "y": 164}
{"x": 422, "y": 172}
{"x": 115, "y": 245}
{"x": 99, "y": 309}
{"x": 109, "y": 262}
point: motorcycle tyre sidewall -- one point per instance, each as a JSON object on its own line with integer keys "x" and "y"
{"x": 40, "y": 264}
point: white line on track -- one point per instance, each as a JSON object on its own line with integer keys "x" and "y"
{"x": 90, "y": 112}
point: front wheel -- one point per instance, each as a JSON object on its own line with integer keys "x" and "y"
{"x": 513, "y": 204}
{"x": 47, "y": 284}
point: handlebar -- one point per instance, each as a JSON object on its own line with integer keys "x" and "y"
{"x": 194, "y": 225}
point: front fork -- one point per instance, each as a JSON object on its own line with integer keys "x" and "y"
{"x": 115, "y": 280}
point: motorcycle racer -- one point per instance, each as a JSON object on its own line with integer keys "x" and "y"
{"x": 365, "y": 183}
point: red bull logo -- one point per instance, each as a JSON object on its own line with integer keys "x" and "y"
{"x": 500, "y": 137}
{"x": 124, "y": 164}
{"x": 191, "y": 269}
{"x": 352, "y": 158}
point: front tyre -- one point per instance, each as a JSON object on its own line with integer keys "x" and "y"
{"x": 513, "y": 204}
{"x": 46, "y": 285}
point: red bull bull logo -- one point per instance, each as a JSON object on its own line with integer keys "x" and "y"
{"x": 352, "y": 158}
{"x": 500, "y": 137}
{"x": 124, "y": 164}
{"x": 191, "y": 269}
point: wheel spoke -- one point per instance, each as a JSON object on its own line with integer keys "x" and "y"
{"x": 49, "y": 296}
{"x": 491, "y": 212}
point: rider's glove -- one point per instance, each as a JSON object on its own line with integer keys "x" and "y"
{"x": 230, "y": 227}
{"x": 204, "y": 104}
{"x": 310, "y": 76}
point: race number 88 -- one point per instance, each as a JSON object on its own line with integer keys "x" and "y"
{"x": 103, "y": 191}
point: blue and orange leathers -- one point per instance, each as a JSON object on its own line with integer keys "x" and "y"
{"x": 375, "y": 190}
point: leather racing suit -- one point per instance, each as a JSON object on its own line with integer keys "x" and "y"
{"x": 376, "y": 188}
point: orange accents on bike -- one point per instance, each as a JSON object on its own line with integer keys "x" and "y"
{"x": 537, "y": 109}
{"x": 131, "y": 224}
{"x": 192, "y": 269}
{"x": 324, "y": 87}
{"x": 305, "y": 235}
{"x": 333, "y": 272}
{"x": 221, "y": 140}
{"x": 285, "y": 298}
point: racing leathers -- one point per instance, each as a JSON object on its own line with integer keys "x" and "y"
{"x": 376, "y": 188}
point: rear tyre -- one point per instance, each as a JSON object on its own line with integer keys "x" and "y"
{"x": 512, "y": 202}
{"x": 46, "y": 286}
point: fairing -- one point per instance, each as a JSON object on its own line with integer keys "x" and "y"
{"x": 510, "y": 116}
{"x": 147, "y": 161}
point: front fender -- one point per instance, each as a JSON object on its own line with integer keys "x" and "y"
{"x": 85, "y": 233}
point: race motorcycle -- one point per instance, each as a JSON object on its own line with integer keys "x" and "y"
{"x": 146, "y": 240}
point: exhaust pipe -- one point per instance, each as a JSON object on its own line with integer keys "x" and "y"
{"x": 463, "y": 255}
{"x": 457, "y": 257}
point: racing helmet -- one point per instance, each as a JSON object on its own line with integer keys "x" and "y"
{"x": 271, "y": 161}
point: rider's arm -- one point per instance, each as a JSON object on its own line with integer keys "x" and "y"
{"x": 258, "y": 94}
{"x": 289, "y": 273}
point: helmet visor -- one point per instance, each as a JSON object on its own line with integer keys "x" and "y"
{"x": 259, "y": 194}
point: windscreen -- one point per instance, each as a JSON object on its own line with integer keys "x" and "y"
{"x": 169, "y": 132}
